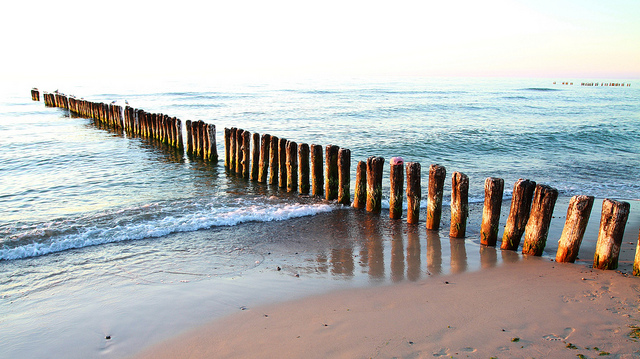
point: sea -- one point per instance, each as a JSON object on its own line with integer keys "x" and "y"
{"x": 85, "y": 209}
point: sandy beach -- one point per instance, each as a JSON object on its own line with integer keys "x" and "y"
{"x": 524, "y": 307}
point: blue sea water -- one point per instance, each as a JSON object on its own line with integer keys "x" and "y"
{"x": 65, "y": 183}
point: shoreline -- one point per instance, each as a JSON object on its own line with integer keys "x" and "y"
{"x": 536, "y": 308}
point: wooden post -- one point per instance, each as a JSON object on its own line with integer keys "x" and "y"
{"x": 437, "y": 174}
{"x": 282, "y": 162}
{"x": 179, "y": 134}
{"x": 493, "y": 189}
{"x": 374, "y": 183}
{"x": 189, "y": 138}
{"x": 317, "y": 174}
{"x": 396, "y": 180}
{"x": 344, "y": 176}
{"x": 574, "y": 226}
{"x": 232, "y": 149}
{"x": 636, "y": 262}
{"x": 246, "y": 153}
{"x": 303, "y": 176}
{"x": 227, "y": 147}
{"x": 292, "y": 166}
{"x": 459, "y": 205}
{"x": 414, "y": 192}
{"x": 518, "y": 214}
{"x": 255, "y": 157}
{"x": 213, "y": 145}
{"x": 274, "y": 158}
{"x": 360, "y": 195}
{"x": 537, "y": 229}
{"x": 264, "y": 158}
{"x": 612, "y": 223}
{"x": 331, "y": 173}
{"x": 239, "y": 141}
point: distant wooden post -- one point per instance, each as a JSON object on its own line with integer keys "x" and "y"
{"x": 537, "y": 229}
{"x": 493, "y": 190}
{"x": 179, "y": 134}
{"x": 303, "y": 168}
{"x": 396, "y": 181}
{"x": 265, "y": 145}
{"x": 360, "y": 195}
{"x": 292, "y": 166}
{"x": 274, "y": 160}
{"x": 317, "y": 174}
{"x": 232, "y": 149}
{"x": 612, "y": 223}
{"x": 459, "y": 205}
{"x": 189, "y": 138}
{"x": 255, "y": 157}
{"x": 414, "y": 192}
{"x": 239, "y": 141}
{"x": 374, "y": 183}
{"x": 518, "y": 214}
{"x": 331, "y": 173}
{"x": 574, "y": 226}
{"x": 282, "y": 162}
{"x": 437, "y": 175}
{"x": 344, "y": 176}
{"x": 246, "y": 154}
{"x": 636, "y": 262}
{"x": 213, "y": 145}
{"x": 227, "y": 147}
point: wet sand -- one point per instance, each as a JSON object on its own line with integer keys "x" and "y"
{"x": 516, "y": 306}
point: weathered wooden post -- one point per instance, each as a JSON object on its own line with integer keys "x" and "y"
{"x": 255, "y": 157}
{"x": 303, "y": 176}
{"x": 360, "y": 195}
{"x": 232, "y": 149}
{"x": 274, "y": 158}
{"x": 374, "y": 183}
{"x": 189, "y": 137}
{"x": 292, "y": 166}
{"x": 459, "y": 205}
{"x": 282, "y": 162}
{"x": 518, "y": 214}
{"x": 35, "y": 94}
{"x": 344, "y": 176}
{"x": 331, "y": 172}
{"x": 179, "y": 134}
{"x": 612, "y": 223}
{"x": 414, "y": 192}
{"x": 396, "y": 181}
{"x": 537, "y": 229}
{"x": 213, "y": 145}
{"x": 493, "y": 190}
{"x": 317, "y": 174}
{"x": 246, "y": 153}
{"x": 265, "y": 144}
{"x": 636, "y": 261}
{"x": 239, "y": 153}
{"x": 574, "y": 226}
{"x": 437, "y": 175}
{"x": 227, "y": 147}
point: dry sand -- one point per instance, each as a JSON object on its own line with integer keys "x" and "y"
{"x": 534, "y": 308}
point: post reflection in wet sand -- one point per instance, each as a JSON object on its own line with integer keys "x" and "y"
{"x": 375, "y": 248}
{"x": 413, "y": 253}
{"x": 397, "y": 252}
{"x": 434, "y": 252}
{"x": 488, "y": 256}
{"x": 458, "y": 255}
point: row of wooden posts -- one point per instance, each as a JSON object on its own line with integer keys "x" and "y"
{"x": 201, "y": 136}
{"x": 301, "y": 168}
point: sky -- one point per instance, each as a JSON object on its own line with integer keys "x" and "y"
{"x": 563, "y": 39}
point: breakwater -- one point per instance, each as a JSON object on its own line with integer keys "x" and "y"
{"x": 292, "y": 162}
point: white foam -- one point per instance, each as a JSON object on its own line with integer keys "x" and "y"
{"x": 159, "y": 227}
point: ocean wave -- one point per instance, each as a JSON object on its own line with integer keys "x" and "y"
{"x": 42, "y": 241}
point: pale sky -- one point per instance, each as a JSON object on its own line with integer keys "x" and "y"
{"x": 584, "y": 39}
